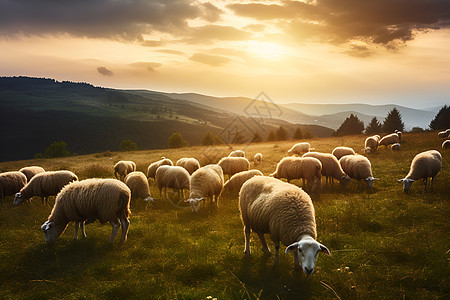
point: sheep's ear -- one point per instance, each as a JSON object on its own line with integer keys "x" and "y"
{"x": 324, "y": 249}
{"x": 46, "y": 225}
{"x": 292, "y": 247}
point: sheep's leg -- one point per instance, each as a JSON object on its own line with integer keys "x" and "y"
{"x": 265, "y": 248}
{"x": 217, "y": 201}
{"x": 425, "y": 183}
{"x": 83, "y": 231}
{"x": 76, "y": 230}
{"x": 431, "y": 183}
{"x": 247, "y": 240}
{"x": 277, "y": 251}
{"x": 296, "y": 261}
{"x": 115, "y": 228}
{"x": 125, "y": 225}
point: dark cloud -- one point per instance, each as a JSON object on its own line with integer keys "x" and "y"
{"x": 209, "y": 59}
{"x": 211, "y": 13}
{"x": 104, "y": 71}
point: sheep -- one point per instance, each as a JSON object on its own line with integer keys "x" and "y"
{"x": 444, "y": 134}
{"x": 342, "y": 151}
{"x": 122, "y": 168}
{"x": 233, "y": 165}
{"x": 107, "y": 200}
{"x": 308, "y": 168}
{"x": 151, "y": 170}
{"x": 11, "y": 183}
{"x": 172, "y": 177}
{"x": 425, "y": 164}
{"x": 234, "y": 184}
{"x": 286, "y": 212}
{"x": 44, "y": 185}
{"x": 358, "y": 167}
{"x": 395, "y": 147}
{"x": 31, "y": 171}
{"x": 190, "y": 164}
{"x": 330, "y": 167}
{"x": 257, "y": 159}
{"x": 237, "y": 153}
{"x": 371, "y": 144}
{"x": 399, "y": 133}
{"x": 205, "y": 182}
{"x": 300, "y": 148}
{"x": 446, "y": 144}
{"x": 138, "y": 185}
{"x": 389, "y": 139}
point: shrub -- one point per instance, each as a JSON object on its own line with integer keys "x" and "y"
{"x": 56, "y": 149}
{"x": 176, "y": 140}
{"x": 128, "y": 145}
{"x": 282, "y": 134}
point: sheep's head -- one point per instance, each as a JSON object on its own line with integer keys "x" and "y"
{"x": 369, "y": 181}
{"x": 149, "y": 199}
{"x": 18, "y": 199}
{"x": 52, "y": 231}
{"x": 345, "y": 180}
{"x": 195, "y": 203}
{"x": 367, "y": 150}
{"x": 407, "y": 182}
{"x": 308, "y": 250}
{"x": 316, "y": 186}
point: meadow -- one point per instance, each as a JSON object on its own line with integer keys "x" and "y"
{"x": 385, "y": 244}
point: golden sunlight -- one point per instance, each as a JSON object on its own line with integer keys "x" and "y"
{"x": 265, "y": 50}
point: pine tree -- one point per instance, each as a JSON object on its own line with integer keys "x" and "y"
{"x": 442, "y": 119}
{"x": 393, "y": 121}
{"x": 272, "y": 136}
{"x": 351, "y": 125}
{"x": 281, "y": 134}
{"x": 208, "y": 139}
{"x": 374, "y": 126}
{"x": 298, "y": 134}
{"x": 256, "y": 137}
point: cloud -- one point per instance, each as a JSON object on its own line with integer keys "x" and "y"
{"x": 171, "y": 51}
{"x": 210, "y": 12}
{"x": 149, "y": 66}
{"x": 104, "y": 71}
{"x": 210, "y": 33}
{"x": 152, "y": 43}
{"x": 209, "y": 59}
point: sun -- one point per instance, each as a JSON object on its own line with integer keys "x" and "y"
{"x": 265, "y": 50}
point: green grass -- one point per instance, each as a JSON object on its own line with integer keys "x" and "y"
{"x": 384, "y": 243}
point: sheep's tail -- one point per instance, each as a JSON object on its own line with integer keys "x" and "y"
{"x": 124, "y": 201}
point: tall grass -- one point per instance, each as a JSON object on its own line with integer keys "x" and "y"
{"x": 384, "y": 243}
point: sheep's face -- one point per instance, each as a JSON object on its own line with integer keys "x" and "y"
{"x": 406, "y": 183}
{"x": 52, "y": 231}
{"x": 316, "y": 186}
{"x": 369, "y": 181}
{"x": 195, "y": 203}
{"x": 367, "y": 150}
{"x": 308, "y": 250}
{"x": 18, "y": 199}
{"x": 149, "y": 199}
{"x": 345, "y": 180}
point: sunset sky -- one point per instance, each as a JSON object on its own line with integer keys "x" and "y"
{"x": 319, "y": 51}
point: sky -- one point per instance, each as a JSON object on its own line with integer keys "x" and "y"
{"x": 311, "y": 51}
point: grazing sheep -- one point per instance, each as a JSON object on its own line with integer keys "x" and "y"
{"x": 444, "y": 134}
{"x": 257, "y": 159}
{"x": 330, "y": 167}
{"x": 342, "y": 151}
{"x": 233, "y": 165}
{"x": 425, "y": 164}
{"x": 138, "y": 184}
{"x": 307, "y": 168}
{"x": 175, "y": 177}
{"x": 395, "y": 147}
{"x": 358, "y": 167}
{"x": 446, "y": 144}
{"x": 399, "y": 133}
{"x": 107, "y": 200}
{"x": 300, "y": 148}
{"x": 11, "y": 183}
{"x": 205, "y": 182}
{"x": 237, "y": 153}
{"x": 151, "y": 170}
{"x": 44, "y": 185}
{"x": 31, "y": 171}
{"x": 371, "y": 144}
{"x": 284, "y": 211}
{"x": 234, "y": 184}
{"x": 389, "y": 139}
{"x": 122, "y": 168}
{"x": 190, "y": 164}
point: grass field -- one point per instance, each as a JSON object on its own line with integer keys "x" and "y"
{"x": 384, "y": 243}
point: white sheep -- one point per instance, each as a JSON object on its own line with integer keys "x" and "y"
{"x": 371, "y": 144}
{"x": 138, "y": 184}
{"x": 395, "y": 147}
{"x": 237, "y": 153}
{"x": 300, "y": 148}
{"x": 257, "y": 159}
{"x": 11, "y": 183}
{"x": 122, "y": 168}
{"x": 284, "y": 211}
{"x": 444, "y": 134}
{"x": 151, "y": 170}
{"x": 189, "y": 163}
{"x": 425, "y": 164}
{"x": 205, "y": 182}
{"x": 44, "y": 185}
{"x": 175, "y": 177}
{"x": 446, "y": 144}
{"x": 107, "y": 200}
{"x": 399, "y": 133}
{"x": 342, "y": 151}
{"x": 358, "y": 167}
{"x": 234, "y": 184}
{"x": 307, "y": 168}
{"x": 330, "y": 167}
{"x": 389, "y": 139}
{"x": 233, "y": 165}
{"x": 31, "y": 171}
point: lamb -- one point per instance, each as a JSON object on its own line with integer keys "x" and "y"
{"x": 358, "y": 167}
{"x": 44, "y": 185}
{"x": 286, "y": 212}
{"x": 237, "y": 153}
{"x": 330, "y": 167}
{"x": 257, "y": 159}
{"x": 31, "y": 171}
{"x": 425, "y": 164}
{"x": 107, "y": 200}
{"x": 395, "y": 147}
{"x": 444, "y": 134}
{"x": 389, "y": 139}
{"x": 308, "y": 168}
{"x": 190, "y": 164}
{"x": 300, "y": 148}
{"x": 138, "y": 185}
{"x": 233, "y": 165}
{"x": 11, "y": 183}
{"x": 151, "y": 170}
{"x": 446, "y": 144}
{"x": 371, "y": 144}
{"x": 205, "y": 182}
{"x": 342, "y": 151}
{"x": 234, "y": 184}
{"x": 122, "y": 168}
{"x": 172, "y": 177}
